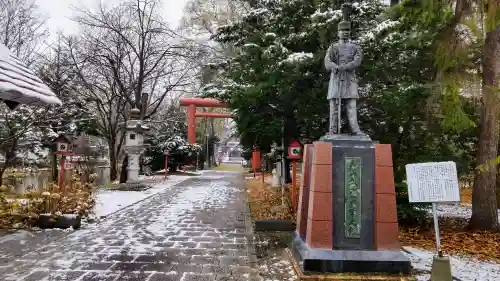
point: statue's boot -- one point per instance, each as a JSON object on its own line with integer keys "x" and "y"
{"x": 352, "y": 117}
{"x": 333, "y": 129}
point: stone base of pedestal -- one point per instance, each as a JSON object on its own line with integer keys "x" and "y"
{"x": 347, "y": 261}
{"x": 134, "y": 186}
{"x": 347, "y": 216}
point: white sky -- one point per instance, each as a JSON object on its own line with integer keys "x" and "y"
{"x": 59, "y": 12}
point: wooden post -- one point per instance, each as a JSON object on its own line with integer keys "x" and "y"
{"x": 61, "y": 171}
{"x": 294, "y": 185}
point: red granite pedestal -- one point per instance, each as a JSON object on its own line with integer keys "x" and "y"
{"x": 319, "y": 244}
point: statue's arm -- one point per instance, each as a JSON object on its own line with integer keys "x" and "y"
{"x": 356, "y": 62}
{"x": 329, "y": 64}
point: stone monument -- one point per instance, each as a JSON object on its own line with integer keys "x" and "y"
{"x": 347, "y": 217}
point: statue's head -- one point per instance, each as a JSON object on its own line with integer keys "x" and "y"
{"x": 344, "y": 30}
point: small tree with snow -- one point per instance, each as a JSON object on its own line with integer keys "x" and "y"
{"x": 179, "y": 153}
{"x": 168, "y": 134}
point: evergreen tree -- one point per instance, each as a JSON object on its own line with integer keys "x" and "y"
{"x": 277, "y": 74}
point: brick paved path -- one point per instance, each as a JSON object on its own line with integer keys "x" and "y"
{"x": 197, "y": 230}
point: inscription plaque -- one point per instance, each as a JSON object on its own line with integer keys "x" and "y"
{"x": 352, "y": 197}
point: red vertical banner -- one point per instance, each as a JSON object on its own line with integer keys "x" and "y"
{"x": 255, "y": 161}
{"x": 294, "y": 186}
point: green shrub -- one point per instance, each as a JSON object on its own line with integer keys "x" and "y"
{"x": 409, "y": 214}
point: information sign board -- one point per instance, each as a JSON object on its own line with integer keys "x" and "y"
{"x": 432, "y": 182}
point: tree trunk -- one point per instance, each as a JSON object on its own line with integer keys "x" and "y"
{"x": 55, "y": 171}
{"x": 113, "y": 169}
{"x": 123, "y": 172}
{"x": 484, "y": 205}
{"x": 2, "y": 170}
{"x": 498, "y": 189}
{"x": 9, "y": 158}
{"x": 113, "y": 160}
{"x": 394, "y": 2}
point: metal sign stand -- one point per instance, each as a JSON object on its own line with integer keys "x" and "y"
{"x": 434, "y": 182}
{"x": 436, "y": 230}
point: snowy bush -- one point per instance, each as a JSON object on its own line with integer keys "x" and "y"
{"x": 180, "y": 152}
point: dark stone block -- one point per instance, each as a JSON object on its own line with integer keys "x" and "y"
{"x": 133, "y": 186}
{"x": 274, "y": 225}
{"x": 234, "y": 246}
{"x": 210, "y": 245}
{"x": 128, "y": 266}
{"x": 348, "y": 261}
{"x": 216, "y": 269}
{"x": 120, "y": 258}
{"x": 204, "y": 260}
{"x": 179, "y": 238}
{"x": 199, "y": 277}
{"x": 233, "y": 261}
{"x": 158, "y": 267}
{"x": 100, "y": 276}
{"x": 97, "y": 266}
{"x": 165, "y": 277}
{"x": 37, "y": 275}
{"x": 360, "y": 147}
{"x": 188, "y": 268}
{"x": 64, "y": 275}
{"x": 149, "y": 258}
{"x": 63, "y": 221}
{"x": 133, "y": 276}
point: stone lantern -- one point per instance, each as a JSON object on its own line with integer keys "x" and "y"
{"x": 134, "y": 144}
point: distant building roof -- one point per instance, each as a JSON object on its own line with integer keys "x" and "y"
{"x": 20, "y": 85}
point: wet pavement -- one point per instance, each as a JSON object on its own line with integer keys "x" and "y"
{"x": 199, "y": 229}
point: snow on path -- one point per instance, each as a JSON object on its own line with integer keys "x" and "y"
{"x": 463, "y": 268}
{"x": 196, "y": 230}
{"x": 110, "y": 201}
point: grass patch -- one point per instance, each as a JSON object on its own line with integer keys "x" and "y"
{"x": 225, "y": 167}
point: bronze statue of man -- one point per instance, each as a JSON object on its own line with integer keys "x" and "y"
{"x": 342, "y": 59}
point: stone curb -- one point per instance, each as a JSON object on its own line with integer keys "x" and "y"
{"x": 252, "y": 255}
{"x": 274, "y": 225}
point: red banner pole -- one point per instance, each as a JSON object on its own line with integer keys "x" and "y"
{"x": 294, "y": 184}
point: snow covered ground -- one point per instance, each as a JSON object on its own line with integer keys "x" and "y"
{"x": 110, "y": 201}
{"x": 456, "y": 210}
{"x": 463, "y": 268}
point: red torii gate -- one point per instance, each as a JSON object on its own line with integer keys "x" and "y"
{"x": 191, "y": 104}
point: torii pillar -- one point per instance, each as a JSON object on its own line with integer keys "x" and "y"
{"x": 191, "y": 104}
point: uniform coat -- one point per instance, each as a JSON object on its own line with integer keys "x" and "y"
{"x": 343, "y": 83}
